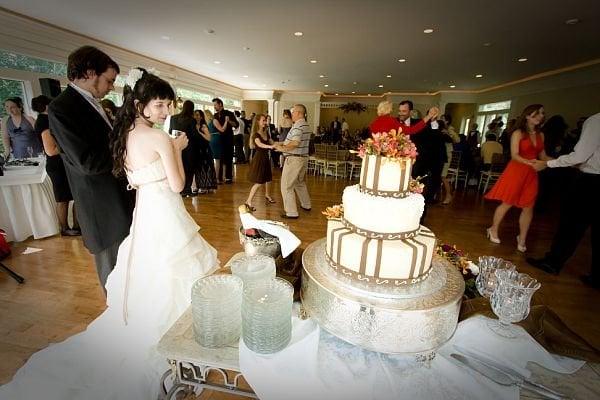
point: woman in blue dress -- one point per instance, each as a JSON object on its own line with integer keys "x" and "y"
{"x": 18, "y": 133}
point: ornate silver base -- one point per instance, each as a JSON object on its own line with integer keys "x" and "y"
{"x": 417, "y": 318}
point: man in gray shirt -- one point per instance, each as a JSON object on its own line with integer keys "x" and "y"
{"x": 580, "y": 209}
{"x": 295, "y": 153}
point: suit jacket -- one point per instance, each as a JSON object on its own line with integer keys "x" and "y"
{"x": 103, "y": 210}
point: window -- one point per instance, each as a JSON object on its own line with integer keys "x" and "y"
{"x": 26, "y": 63}
{"x": 194, "y": 96}
{"x": 115, "y": 97}
{"x": 486, "y": 113}
{"x": 499, "y": 106}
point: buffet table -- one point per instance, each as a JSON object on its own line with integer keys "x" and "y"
{"x": 317, "y": 364}
{"x": 27, "y": 205}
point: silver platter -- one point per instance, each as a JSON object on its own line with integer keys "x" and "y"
{"x": 416, "y": 318}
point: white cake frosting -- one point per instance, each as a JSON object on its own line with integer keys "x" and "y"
{"x": 384, "y": 176}
{"x": 382, "y": 214}
{"x": 389, "y": 262}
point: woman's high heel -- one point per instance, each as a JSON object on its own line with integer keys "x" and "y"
{"x": 521, "y": 247}
{"x": 249, "y": 207}
{"x": 490, "y": 237}
{"x": 269, "y": 200}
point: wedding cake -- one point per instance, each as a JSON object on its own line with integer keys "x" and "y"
{"x": 374, "y": 280}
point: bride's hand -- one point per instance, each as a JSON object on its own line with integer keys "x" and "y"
{"x": 180, "y": 142}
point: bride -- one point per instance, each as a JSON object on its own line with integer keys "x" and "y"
{"x": 116, "y": 357}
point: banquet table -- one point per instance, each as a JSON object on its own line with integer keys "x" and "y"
{"x": 27, "y": 205}
{"x": 317, "y": 364}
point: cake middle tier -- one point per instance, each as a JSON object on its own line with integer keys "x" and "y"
{"x": 386, "y": 215}
{"x": 377, "y": 261}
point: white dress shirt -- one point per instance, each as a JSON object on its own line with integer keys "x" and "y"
{"x": 586, "y": 154}
{"x": 93, "y": 101}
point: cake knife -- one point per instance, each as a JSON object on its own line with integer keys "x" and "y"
{"x": 503, "y": 368}
{"x": 500, "y": 377}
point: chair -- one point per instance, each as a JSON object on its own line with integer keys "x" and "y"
{"x": 320, "y": 158}
{"x": 340, "y": 164}
{"x": 491, "y": 176}
{"x": 354, "y": 163}
{"x": 330, "y": 159}
{"x": 454, "y": 172}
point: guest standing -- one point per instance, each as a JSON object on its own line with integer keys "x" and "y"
{"x": 225, "y": 121}
{"x": 260, "y": 166}
{"x": 185, "y": 122}
{"x": 18, "y": 133}
{"x": 273, "y": 135}
{"x": 295, "y": 151}
{"x": 238, "y": 139}
{"x": 518, "y": 184}
{"x": 216, "y": 144}
{"x": 580, "y": 208}
{"x": 206, "y": 178}
{"x": 81, "y": 128}
{"x": 55, "y": 168}
{"x": 285, "y": 124}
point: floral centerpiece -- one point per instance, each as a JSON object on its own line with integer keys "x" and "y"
{"x": 460, "y": 260}
{"x": 392, "y": 145}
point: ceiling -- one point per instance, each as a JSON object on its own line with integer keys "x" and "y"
{"x": 351, "y": 40}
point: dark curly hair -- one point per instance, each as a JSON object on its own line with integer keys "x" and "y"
{"x": 147, "y": 88}
{"x": 39, "y": 104}
{"x": 86, "y": 58}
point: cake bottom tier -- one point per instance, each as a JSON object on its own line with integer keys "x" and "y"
{"x": 410, "y": 319}
{"x": 383, "y": 262}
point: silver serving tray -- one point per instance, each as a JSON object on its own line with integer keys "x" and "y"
{"x": 415, "y": 318}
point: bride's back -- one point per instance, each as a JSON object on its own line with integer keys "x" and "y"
{"x": 143, "y": 145}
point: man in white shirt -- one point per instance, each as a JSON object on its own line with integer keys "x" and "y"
{"x": 580, "y": 209}
{"x": 238, "y": 139}
{"x": 345, "y": 125}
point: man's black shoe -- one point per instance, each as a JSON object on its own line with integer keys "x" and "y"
{"x": 284, "y": 215}
{"x": 228, "y": 181}
{"x": 543, "y": 264}
{"x": 305, "y": 209}
{"x": 589, "y": 281}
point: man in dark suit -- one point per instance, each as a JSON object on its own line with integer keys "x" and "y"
{"x": 81, "y": 128}
{"x": 227, "y": 139}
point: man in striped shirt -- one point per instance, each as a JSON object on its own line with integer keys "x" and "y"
{"x": 295, "y": 152}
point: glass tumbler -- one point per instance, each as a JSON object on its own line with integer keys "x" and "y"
{"x": 254, "y": 269}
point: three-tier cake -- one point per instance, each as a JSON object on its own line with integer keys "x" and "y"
{"x": 373, "y": 280}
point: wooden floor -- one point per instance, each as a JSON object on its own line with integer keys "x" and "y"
{"x": 61, "y": 295}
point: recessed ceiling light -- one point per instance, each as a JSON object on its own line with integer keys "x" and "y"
{"x": 209, "y": 31}
{"x": 388, "y": 76}
{"x": 478, "y": 76}
{"x": 522, "y": 59}
{"x": 298, "y": 33}
{"x": 487, "y": 44}
{"x": 452, "y": 86}
{"x": 380, "y": 85}
{"x": 326, "y": 85}
{"x": 313, "y": 61}
{"x": 337, "y": 94}
{"x": 321, "y": 76}
{"x": 428, "y": 30}
{"x": 353, "y": 92}
{"x": 165, "y": 37}
{"x": 369, "y": 94}
{"x": 246, "y": 48}
{"x": 244, "y": 76}
{"x": 217, "y": 62}
{"x": 572, "y": 21}
{"x": 354, "y": 83}
{"x": 402, "y": 60}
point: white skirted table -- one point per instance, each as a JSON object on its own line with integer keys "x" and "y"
{"x": 27, "y": 205}
{"x": 317, "y": 365}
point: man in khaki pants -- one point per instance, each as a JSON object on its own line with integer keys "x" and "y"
{"x": 295, "y": 152}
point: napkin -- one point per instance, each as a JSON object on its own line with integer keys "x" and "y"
{"x": 287, "y": 240}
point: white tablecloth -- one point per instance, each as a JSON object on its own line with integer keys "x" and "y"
{"x": 317, "y": 365}
{"x": 27, "y": 205}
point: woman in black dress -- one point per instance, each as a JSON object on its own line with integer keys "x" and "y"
{"x": 55, "y": 168}
{"x": 260, "y": 166}
{"x": 206, "y": 177}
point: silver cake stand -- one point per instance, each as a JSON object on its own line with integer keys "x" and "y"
{"x": 414, "y": 319}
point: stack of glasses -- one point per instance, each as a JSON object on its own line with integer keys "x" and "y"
{"x": 487, "y": 281}
{"x": 254, "y": 269}
{"x": 216, "y": 309}
{"x": 267, "y": 315}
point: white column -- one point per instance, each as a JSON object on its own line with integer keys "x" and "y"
{"x": 271, "y": 109}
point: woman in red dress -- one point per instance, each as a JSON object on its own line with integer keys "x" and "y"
{"x": 518, "y": 184}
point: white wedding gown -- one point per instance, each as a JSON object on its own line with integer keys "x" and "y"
{"x": 112, "y": 359}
